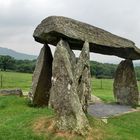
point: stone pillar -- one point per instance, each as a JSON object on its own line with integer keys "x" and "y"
{"x": 125, "y": 84}
{"x": 42, "y": 78}
{"x": 83, "y": 76}
{"x": 64, "y": 98}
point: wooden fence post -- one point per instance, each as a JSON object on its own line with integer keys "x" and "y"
{"x": 1, "y": 81}
{"x": 101, "y": 84}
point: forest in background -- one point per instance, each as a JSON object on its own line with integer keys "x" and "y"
{"x": 98, "y": 70}
{"x": 8, "y": 63}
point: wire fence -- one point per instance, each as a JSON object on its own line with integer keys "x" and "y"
{"x": 10, "y": 80}
{"x": 24, "y": 81}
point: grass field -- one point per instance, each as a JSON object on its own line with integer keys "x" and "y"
{"x": 15, "y": 80}
{"x": 17, "y": 119}
{"x": 102, "y": 88}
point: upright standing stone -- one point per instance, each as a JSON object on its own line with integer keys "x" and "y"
{"x": 71, "y": 56}
{"x": 82, "y": 75}
{"x": 42, "y": 77}
{"x": 64, "y": 98}
{"x": 125, "y": 84}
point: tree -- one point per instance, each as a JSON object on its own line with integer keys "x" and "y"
{"x": 102, "y": 70}
{"x": 26, "y": 66}
{"x": 6, "y": 62}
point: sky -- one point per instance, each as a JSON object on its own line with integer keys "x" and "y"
{"x": 19, "y": 18}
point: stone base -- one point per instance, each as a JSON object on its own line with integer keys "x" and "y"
{"x": 11, "y": 92}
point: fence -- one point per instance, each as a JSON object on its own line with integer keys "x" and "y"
{"x": 22, "y": 80}
{"x": 101, "y": 83}
{"x": 10, "y": 80}
{"x": 1, "y": 81}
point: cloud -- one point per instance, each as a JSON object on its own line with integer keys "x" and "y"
{"x": 26, "y": 13}
{"x": 20, "y": 17}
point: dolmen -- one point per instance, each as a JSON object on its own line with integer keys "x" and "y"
{"x": 62, "y": 81}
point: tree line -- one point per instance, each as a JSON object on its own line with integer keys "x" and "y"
{"x": 98, "y": 70}
{"x": 102, "y": 70}
{"x": 10, "y": 63}
{"x": 107, "y": 71}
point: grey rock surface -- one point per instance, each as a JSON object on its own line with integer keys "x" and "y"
{"x": 71, "y": 56}
{"x": 94, "y": 99}
{"x": 53, "y": 28}
{"x": 11, "y": 92}
{"x": 42, "y": 77}
{"x": 64, "y": 98}
{"x": 82, "y": 76}
{"x": 101, "y": 110}
{"x": 125, "y": 84}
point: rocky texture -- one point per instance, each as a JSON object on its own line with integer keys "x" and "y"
{"x": 42, "y": 77}
{"x": 82, "y": 76}
{"x": 53, "y": 28}
{"x": 94, "y": 99}
{"x": 125, "y": 84}
{"x": 102, "y": 110}
{"x": 11, "y": 92}
{"x": 64, "y": 98}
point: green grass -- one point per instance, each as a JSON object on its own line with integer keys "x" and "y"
{"x": 126, "y": 127}
{"x": 16, "y": 80}
{"x": 103, "y": 88}
{"x": 17, "y": 118}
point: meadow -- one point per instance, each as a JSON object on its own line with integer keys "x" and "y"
{"x": 10, "y": 80}
{"x": 20, "y": 121}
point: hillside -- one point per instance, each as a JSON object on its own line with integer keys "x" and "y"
{"x": 16, "y": 55}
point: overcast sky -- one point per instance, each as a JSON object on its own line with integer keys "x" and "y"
{"x": 18, "y": 19}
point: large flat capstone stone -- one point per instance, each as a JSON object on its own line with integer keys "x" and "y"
{"x": 54, "y": 28}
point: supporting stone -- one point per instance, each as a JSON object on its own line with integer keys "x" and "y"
{"x": 83, "y": 76}
{"x": 64, "y": 98}
{"x": 42, "y": 78}
{"x": 71, "y": 56}
{"x": 125, "y": 84}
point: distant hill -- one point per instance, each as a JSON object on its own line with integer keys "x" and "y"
{"x": 16, "y": 55}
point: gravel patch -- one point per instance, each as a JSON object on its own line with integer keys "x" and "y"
{"x": 101, "y": 110}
